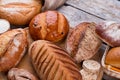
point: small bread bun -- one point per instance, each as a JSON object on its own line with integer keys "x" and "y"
{"x": 49, "y": 25}
{"x": 109, "y": 31}
{"x": 19, "y": 12}
{"x": 113, "y": 57}
{"x": 4, "y": 26}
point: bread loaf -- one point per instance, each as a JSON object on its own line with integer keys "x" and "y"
{"x": 108, "y": 32}
{"x": 49, "y": 25}
{"x": 13, "y": 45}
{"x": 19, "y": 12}
{"x": 52, "y": 62}
{"x": 82, "y": 42}
{"x": 20, "y": 74}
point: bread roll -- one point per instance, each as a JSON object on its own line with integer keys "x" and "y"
{"x": 13, "y": 45}
{"x": 4, "y": 26}
{"x": 49, "y": 25}
{"x": 52, "y": 62}
{"x": 19, "y": 12}
{"x": 20, "y": 74}
{"x": 108, "y": 31}
{"x": 82, "y": 42}
{"x": 113, "y": 57}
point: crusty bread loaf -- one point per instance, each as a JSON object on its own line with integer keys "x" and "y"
{"x": 20, "y": 74}
{"x": 13, "y": 45}
{"x": 19, "y": 12}
{"x": 113, "y": 57}
{"x": 108, "y": 31}
{"x": 49, "y": 25}
{"x": 82, "y": 42}
{"x": 52, "y": 62}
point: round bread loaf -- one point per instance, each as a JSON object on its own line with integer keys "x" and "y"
{"x": 108, "y": 32}
{"x": 53, "y": 63}
{"x": 113, "y": 57}
{"x": 49, "y": 25}
{"x": 19, "y": 12}
{"x": 13, "y": 45}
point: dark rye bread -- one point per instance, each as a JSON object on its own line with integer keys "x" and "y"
{"x": 82, "y": 42}
{"x": 52, "y": 62}
{"x": 109, "y": 32}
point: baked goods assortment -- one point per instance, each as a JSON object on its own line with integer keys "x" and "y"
{"x": 108, "y": 32}
{"x": 49, "y": 25}
{"x": 39, "y": 41}
{"x": 52, "y": 62}
{"x": 82, "y": 42}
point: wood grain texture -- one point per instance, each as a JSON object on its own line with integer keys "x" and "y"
{"x": 76, "y": 16}
{"x": 105, "y": 9}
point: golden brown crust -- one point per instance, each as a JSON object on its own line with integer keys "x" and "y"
{"x": 108, "y": 32}
{"x": 113, "y": 57}
{"x": 50, "y": 25}
{"x": 20, "y": 74}
{"x": 82, "y": 42}
{"x": 53, "y": 63}
{"x": 19, "y": 12}
{"x": 13, "y": 45}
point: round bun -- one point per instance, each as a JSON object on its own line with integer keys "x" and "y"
{"x": 108, "y": 31}
{"x": 49, "y": 25}
{"x": 19, "y": 12}
{"x": 113, "y": 57}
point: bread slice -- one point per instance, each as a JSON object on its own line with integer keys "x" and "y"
{"x": 52, "y": 62}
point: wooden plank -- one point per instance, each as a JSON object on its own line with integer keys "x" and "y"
{"x": 76, "y": 16}
{"x": 106, "y": 9}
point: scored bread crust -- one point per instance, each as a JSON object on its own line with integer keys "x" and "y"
{"x": 13, "y": 45}
{"x": 52, "y": 62}
{"x": 49, "y": 25}
{"x": 19, "y": 12}
{"x": 82, "y": 42}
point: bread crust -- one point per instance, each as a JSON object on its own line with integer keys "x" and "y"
{"x": 49, "y": 25}
{"x": 20, "y": 74}
{"x": 53, "y": 63}
{"x": 19, "y": 12}
{"x": 82, "y": 42}
{"x": 113, "y": 57}
{"x": 109, "y": 33}
{"x": 13, "y": 45}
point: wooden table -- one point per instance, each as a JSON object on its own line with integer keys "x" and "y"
{"x": 77, "y": 11}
